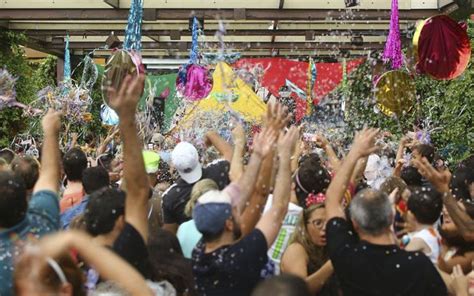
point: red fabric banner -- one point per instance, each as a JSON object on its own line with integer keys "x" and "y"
{"x": 278, "y": 70}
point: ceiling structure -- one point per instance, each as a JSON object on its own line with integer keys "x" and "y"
{"x": 290, "y": 28}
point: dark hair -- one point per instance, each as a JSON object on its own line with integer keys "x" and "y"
{"x": 74, "y": 163}
{"x": 164, "y": 174}
{"x": 7, "y": 154}
{"x": 94, "y": 179}
{"x": 460, "y": 183}
{"x": 372, "y": 211}
{"x": 105, "y": 161}
{"x": 311, "y": 177}
{"x": 32, "y": 267}
{"x": 27, "y": 168}
{"x": 282, "y": 285}
{"x": 13, "y": 204}
{"x": 411, "y": 176}
{"x": 168, "y": 263}
{"x": 105, "y": 206}
{"x": 211, "y": 237}
{"x": 425, "y": 150}
{"x": 426, "y": 204}
{"x": 455, "y": 239}
{"x": 313, "y": 156}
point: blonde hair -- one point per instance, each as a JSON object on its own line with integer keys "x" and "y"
{"x": 199, "y": 189}
{"x": 317, "y": 255}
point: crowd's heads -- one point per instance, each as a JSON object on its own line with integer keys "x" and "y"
{"x": 371, "y": 212}
{"x": 104, "y": 211}
{"x": 391, "y": 183}
{"x": 450, "y": 232}
{"x": 168, "y": 263}
{"x": 282, "y": 285}
{"x": 213, "y": 216}
{"x": 311, "y": 233}
{"x": 185, "y": 159}
{"x": 311, "y": 177}
{"x": 74, "y": 163}
{"x": 423, "y": 150}
{"x": 36, "y": 275}
{"x": 94, "y": 179}
{"x": 424, "y": 205}
{"x": 411, "y": 176}
{"x": 199, "y": 189}
{"x": 462, "y": 183}
{"x": 13, "y": 202}
{"x": 7, "y": 154}
{"x": 27, "y": 168}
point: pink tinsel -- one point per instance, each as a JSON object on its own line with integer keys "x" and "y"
{"x": 393, "y": 46}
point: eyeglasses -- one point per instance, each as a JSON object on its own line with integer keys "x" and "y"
{"x": 318, "y": 223}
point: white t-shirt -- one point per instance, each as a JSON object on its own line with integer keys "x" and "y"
{"x": 288, "y": 227}
{"x": 432, "y": 238}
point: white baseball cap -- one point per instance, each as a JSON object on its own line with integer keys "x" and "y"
{"x": 185, "y": 159}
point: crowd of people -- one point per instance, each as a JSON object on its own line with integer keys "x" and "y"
{"x": 271, "y": 213}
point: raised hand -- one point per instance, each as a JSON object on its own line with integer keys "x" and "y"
{"x": 263, "y": 142}
{"x": 440, "y": 179}
{"x": 459, "y": 283}
{"x": 277, "y": 116}
{"x": 125, "y": 100}
{"x": 238, "y": 135}
{"x": 51, "y": 122}
{"x": 321, "y": 141}
{"x": 364, "y": 142}
{"x": 287, "y": 142}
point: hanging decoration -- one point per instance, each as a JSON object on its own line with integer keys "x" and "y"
{"x": 126, "y": 61}
{"x": 67, "y": 62}
{"x": 393, "y": 46}
{"x": 443, "y": 48}
{"x": 8, "y": 93}
{"x": 312, "y": 75}
{"x": 228, "y": 91}
{"x": 395, "y": 93}
{"x": 194, "y": 82}
{"x": 212, "y": 58}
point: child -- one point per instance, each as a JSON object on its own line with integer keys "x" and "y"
{"x": 424, "y": 209}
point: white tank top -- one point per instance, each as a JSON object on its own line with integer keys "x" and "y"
{"x": 432, "y": 238}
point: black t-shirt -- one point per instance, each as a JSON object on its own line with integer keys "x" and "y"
{"x": 132, "y": 248}
{"x": 177, "y": 196}
{"x": 367, "y": 269}
{"x": 230, "y": 270}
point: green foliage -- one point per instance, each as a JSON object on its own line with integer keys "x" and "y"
{"x": 448, "y": 105}
{"x": 45, "y": 73}
{"x": 12, "y": 58}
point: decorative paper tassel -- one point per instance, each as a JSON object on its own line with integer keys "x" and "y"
{"x": 67, "y": 62}
{"x": 312, "y": 75}
{"x": 133, "y": 32}
{"x": 393, "y": 47}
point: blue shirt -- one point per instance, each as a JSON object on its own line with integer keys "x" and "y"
{"x": 41, "y": 218}
{"x": 188, "y": 237}
{"x": 73, "y": 212}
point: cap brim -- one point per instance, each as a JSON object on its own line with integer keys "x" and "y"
{"x": 193, "y": 176}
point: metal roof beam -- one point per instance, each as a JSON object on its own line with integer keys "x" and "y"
{"x": 114, "y": 3}
{"x": 236, "y": 46}
{"x": 180, "y": 14}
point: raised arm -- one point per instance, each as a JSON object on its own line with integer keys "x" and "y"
{"x": 322, "y": 142}
{"x": 236, "y": 165}
{"x": 399, "y": 159}
{"x": 364, "y": 145}
{"x": 106, "y": 263}
{"x": 277, "y": 118}
{"x": 271, "y": 221}
{"x": 224, "y": 148}
{"x": 440, "y": 180}
{"x": 262, "y": 145}
{"x": 124, "y": 102}
{"x": 103, "y": 145}
{"x": 49, "y": 174}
